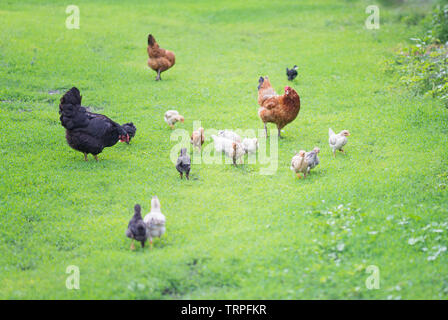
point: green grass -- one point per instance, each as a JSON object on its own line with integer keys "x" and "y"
{"x": 231, "y": 232}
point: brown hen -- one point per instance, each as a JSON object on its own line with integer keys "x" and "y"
{"x": 274, "y": 108}
{"x": 159, "y": 59}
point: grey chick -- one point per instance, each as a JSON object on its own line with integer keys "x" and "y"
{"x": 137, "y": 228}
{"x": 183, "y": 163}
{"x": 312, "y": 159}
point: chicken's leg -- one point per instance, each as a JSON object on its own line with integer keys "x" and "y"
{"x": 299, "y": 176}
{"x": 188, "y": 175}
{"x": 279, "y": 133}
{"x": 158, "y": 75}
{"x": 150, "y": 242}
{"x": 132, "y": 245}
{"x": 181, "y": 176}
{"x": 85, "y": 157}
{"x": 96, "y": 157}
{"x": 265, "y": 130}
{"x": 334, "y": 153}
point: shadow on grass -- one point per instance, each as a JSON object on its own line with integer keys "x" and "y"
{"x": 78, "y": 163}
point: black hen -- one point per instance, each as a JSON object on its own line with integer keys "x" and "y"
{"x": 183, "y": 163}
{"x": 137, "y": 228}
{"x": 90, "y": 132}
{"x": 291, "y": 73}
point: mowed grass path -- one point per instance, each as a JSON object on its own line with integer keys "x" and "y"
{"x": 231, "y": 232}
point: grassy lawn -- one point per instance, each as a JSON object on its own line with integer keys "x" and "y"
{"x": 231, "y": 232}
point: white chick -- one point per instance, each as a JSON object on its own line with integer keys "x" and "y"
{"x": 250, "y": 145}
{"x": 171, "y": 117}
{"x": 299, "y": 164}
{"x": 337, "y": 141}
{"x": 229, "y": 135}
{"x": 155, "y": 220}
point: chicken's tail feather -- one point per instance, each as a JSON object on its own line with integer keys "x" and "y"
{"x": 71, "y": 110}
{"x": 137, "y": 209}
{"x": 330, "y": 132}
{"x": 72, "y": 96}
{"x": 151, "y": 40}
{"x": 155, "y": 203}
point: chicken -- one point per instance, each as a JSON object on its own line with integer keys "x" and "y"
{"x": 250, "y": 145}
{"x": 155, "y": 220}
{"x": 183, "y": 163}
{"x": 233, "y": 150}
{"x": 274, "y": 108}
{"x": 337, "y": 141}
{"x": 230, "y": 135}
{"x": 292, "y": 74}
{"x": 312, "y": 159}
{"x": 298, "y": 164}
{"x": 137, "y": 228}
{"x": 90, "y": 132}
{"x": 171, "y": 117}
{"x": 159, "y": 59}
{"x": 197, "y": 138}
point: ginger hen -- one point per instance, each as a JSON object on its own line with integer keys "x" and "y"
{"x": 159, "y": 59}
{"x": 274, "y": 108}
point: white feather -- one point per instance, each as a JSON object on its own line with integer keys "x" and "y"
{"x": 155, "y": 220}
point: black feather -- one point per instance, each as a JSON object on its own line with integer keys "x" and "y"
{"x": 291, "y": 73}
{"x": 260, "y": 82}
{"x": 130, "y": 129}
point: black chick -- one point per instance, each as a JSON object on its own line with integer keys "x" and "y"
{"x": 88, "y": 132}
{"x": 137, "y": 228}
{"x": 291, "y": 73}
{"x": 183, "y": 163}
